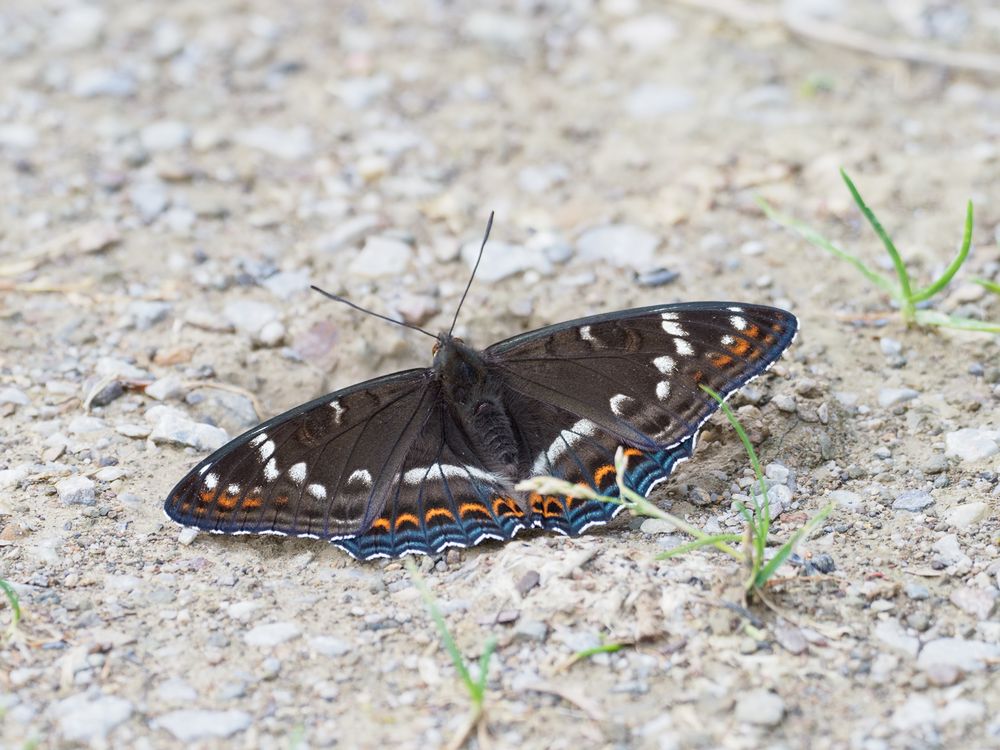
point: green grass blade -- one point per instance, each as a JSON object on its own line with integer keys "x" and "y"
{"x": 815, "y": 238}
{"x": 990, "y": 286}
{"x": 897, "y": 261}
{"x": 788, "y": 547}
{"x": 951, "y": 270}
{"x": 449, "y": 643}
{"x": 604, "y": 648}
{"x": 709, "y": 541}
{"x": 15, "y": 603}
{"x": 484, "y": 668}
{"x": 935, "y": 318}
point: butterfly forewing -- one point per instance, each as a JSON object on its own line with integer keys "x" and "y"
{"x": 322, "y": 469}
{"x": 636, "y": 374}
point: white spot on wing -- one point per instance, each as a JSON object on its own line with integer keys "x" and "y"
{"x": 297, "y": 472}
{"x": 669, "y": 316}
{"x": 338, "y": 410}
{"x": 728, "y": 340}
{"x": 674, "y": 329}
{"x": 565, "y": 439}
{"x": 735, "y": 308}
{"x": 318, "y": 491}
{"x": 211, "y": 480}
{"x": 259, "y": 439}
{"x": 738, "y": 323}
{"x": 585, "y": 334}
{"x": 619, "y": 402}
{"x": 204, "y": 468}
{"x": 360, "y": 475}
{"x": 270, "y": 471}
{"x": 663, "y": 390}
{"x": 664, "y": 364}
{"x": 266, "y": 450}
{"x": 683, "y": 347}
{"x": 416, "y": 476}
{"x": 233, "y": 489}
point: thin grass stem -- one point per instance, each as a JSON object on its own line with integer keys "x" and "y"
{"x": 963, "y": 253}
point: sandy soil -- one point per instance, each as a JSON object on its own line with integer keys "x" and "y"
{"x": 172, "y": 176}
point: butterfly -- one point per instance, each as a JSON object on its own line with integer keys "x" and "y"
{"x": 426, "y": 459}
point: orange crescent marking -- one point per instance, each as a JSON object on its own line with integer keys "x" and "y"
{"x": 740, "y": 347}
{"x": 722, "y": 360}
{"x": 227, "y": 501}
{"x": 632, "y": 452}
{"x": 185, "y": 506}
{"x": 551, "y": 500}
{"x": 753, "y": 331}
{"x": 507, "y": 504}
{"x": 381, "y": 523}
{"x": 472, "y": 508}
{"x": 205, "y": 496}
{"x": 435, "y": 512}
{"x": 281, "y": 500}
{"x": 251, "y": 502}
{"x": 200, "y": 510}
{"x": 536, "y": 502}
{"x": 603, "y": 471}
{"x": 406, "y": 518}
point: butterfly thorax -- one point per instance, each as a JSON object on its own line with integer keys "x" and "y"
{"x": 475, "y": 396}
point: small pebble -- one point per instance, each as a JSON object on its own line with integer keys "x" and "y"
{"x": 76, "y": 490}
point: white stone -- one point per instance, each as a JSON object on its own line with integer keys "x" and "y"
{"x": 272, "y": 634}
{"x": 650, "y": 101}
{"x": 249, "y": 316}
{"x": 762, "y": 707}
{"x": 891, "y": 633}
{"x": 621, "y": 245}
{"x": 242, "y": 611}
{"x": 967, "y": 515}
{"x": 82, "y": 424}
{"x": 76, "y": 490}
{"x": 18, "y": 137}
{"x": 381, "y": 257}
{"x": 167, "y": 387}
{"x": 192, "y": 724}
{"x": 187, "y": 535}
{"x": 77, "y": 28}
{"x": 291, "y": 143}
{"x": 328, "y": 645}
{"x": 969, "y": 656}
{"x": 846, "y": 499}
{"x": 165, "y": 135}
{"x": 971, "y": 444}
{"x": 88, "y": 718}
{"x": 503, "y": 260}
{"x": 892, "y": 396}
{"x": 173, "y": 426}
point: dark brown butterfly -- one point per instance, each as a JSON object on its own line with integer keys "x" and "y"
{"x": 424, "y": 459}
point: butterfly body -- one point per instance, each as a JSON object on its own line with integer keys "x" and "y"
{"x": 429, "y": 458}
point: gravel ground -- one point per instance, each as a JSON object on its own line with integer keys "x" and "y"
{"x": 173, "y": 176}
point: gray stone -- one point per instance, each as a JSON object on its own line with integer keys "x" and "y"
{"x": 147, "y": 313}
{"x": 971, "y": 444}
{"x": 13, "y": 477}
{"x": 650, "y": 101}
{"x": 779, "y": 498}
{"x": 967, "y": 515}
{"x": 165, "y": 135}
{"x": 916, "y": 591}
{"x": 328, "y": 645}
{"x": 193, "y": 724}
{"x": 381, "y": 257}
{"x": 777, "y": 473}
{"x": 537, "y": 179}
{"x": 657, "y": 526}
{"x": 12, "y": 395}
{"x": 761, "y": 707}
{"x": 17, "y": 137}
{"x": 975, "y": 601}
{"x": 969, "y": 656}
{"x": 77, "y": 490}
{"x": 95, "y": 82}
{"x": 917, "y": 711}
{"x": 531, "y": 630}
{"x": 78, "y": 27}
{"x": 890, "y": 347}
{"x": 173, "y": 426}
{"x": 893, "y": 396}
{"x": 150, "y": 199}
{"x": 186, "y": 536}
{"x": 90, "y": 718}
{"x": 621, "y": 245}
{"x": 503, "y": 260}
{"x": 913, "y": 501}
{"x": 82, "y": 424}
{"x": 645, "y": 34}
{"x": 936, "y": 464}
{"x": 167, "y": 387}
{"x": 286, "y": 284}
{"x": 242, "y": 611}
{"x": 290, "y": 143}
{"x": 785, "y": 402}
{"x": 848, "y": 500}
{"x": 249, "y": 316}
{"x": 948, "y": 550}
{"x": 893, "y": 634}
{"x": 272, "y": 634}
{"x": 350, "y": 232}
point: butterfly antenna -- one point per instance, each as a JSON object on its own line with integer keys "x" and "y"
{"x": 489, "y": 226}
{"x": 347, "y": 302}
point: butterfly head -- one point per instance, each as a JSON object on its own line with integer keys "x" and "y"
{"x": 459, "y": 368}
